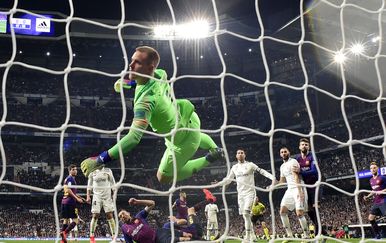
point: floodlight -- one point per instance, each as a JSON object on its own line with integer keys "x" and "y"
{"x": 192, "y": 30}
{"x": 339, "y": 57}
{"x": 375, "y": 39}
{"x": 357, "y": 48}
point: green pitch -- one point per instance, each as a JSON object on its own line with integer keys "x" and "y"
{"x": 228, "y": 241}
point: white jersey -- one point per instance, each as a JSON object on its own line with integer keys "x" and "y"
{"x": 211, "y": 210}
{"x": 286, "y": 171}
{"x": 101, "y": 178}
{"x": 245, "y": 179}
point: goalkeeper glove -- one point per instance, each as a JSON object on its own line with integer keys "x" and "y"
{"x": 93, "y": 163}
{"x": 126, "y": 84}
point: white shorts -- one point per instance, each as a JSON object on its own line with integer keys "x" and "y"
{"x": 245, "y": 203}
{"x": 212, "y": 225}
{"x": 291, "y": 200}
{"x": 98, "y": 203}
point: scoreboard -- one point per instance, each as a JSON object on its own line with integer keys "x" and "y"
{"x": 27, "y": 24}
{"x": 3, "y": 23}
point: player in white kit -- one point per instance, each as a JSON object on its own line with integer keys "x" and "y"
{"x": 245, "y": 180}
{"x": 101, "y": 182}
{"x": 296, "y": 195}
{"x": 211, "y": 211}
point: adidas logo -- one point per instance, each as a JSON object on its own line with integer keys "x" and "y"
{"x": 42, "y": 24}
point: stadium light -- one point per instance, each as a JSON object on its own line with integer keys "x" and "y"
{"x": 48, "y": 53}
{"x": 201, "y": 57}
{"x": 249, "y": 50}
{"x": 375, "y": 39}
{"x": 100, "y": 56}
{"x": 339, "y": 57}
{"x": 74, "y": 54}
{"x": 357, "y": 48}
{"x": 20, "y": 52}
{"x": 193, "y": 30}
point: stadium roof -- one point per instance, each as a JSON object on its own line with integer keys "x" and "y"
{"x": 149, "y": 10}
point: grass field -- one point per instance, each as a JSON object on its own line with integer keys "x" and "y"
{"x": 228, "y": 241}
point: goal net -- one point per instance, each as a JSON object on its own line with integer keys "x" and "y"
{"x": 261, "y": 76}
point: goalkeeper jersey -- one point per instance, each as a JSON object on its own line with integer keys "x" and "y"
{"x": 153, "y": 107}
{"x": 258, "y": 209}
{"x": 153, "y": 103}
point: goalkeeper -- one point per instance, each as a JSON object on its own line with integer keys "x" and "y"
{"x": 153, "y": 107}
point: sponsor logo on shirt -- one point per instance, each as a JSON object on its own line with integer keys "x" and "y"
{"x": 305, "y": 168}
{"x": 242, "y": 175}
{"x": 137, "y": 229}
{"x": 375, "y": 187}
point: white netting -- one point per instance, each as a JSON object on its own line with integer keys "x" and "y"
{"x": 342, "y": 10}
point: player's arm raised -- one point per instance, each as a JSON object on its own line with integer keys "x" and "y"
{"x": 149, "y": 204}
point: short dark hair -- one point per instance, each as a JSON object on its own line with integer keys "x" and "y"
{"x": 242, "y": 149}
{"x": 304, "y": 140}
{"x": 284, "y": 147}
{"x": 70, "y": 167}
{"x": 152, "y": 54}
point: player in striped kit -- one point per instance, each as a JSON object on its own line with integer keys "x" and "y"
{"x": 181, "y": 205}
{"x": 309, "y": 172}
{"x": 211, "y": 211}
{"x": 378, "y": 186}
{"x": 296, "y": 195}
{"x": 101, "y": 182}
{"x": 244, "y": 172}
{"x": 69, "y": 203}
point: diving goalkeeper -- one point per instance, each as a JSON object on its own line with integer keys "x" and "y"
{"x": 153, "y": 107}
